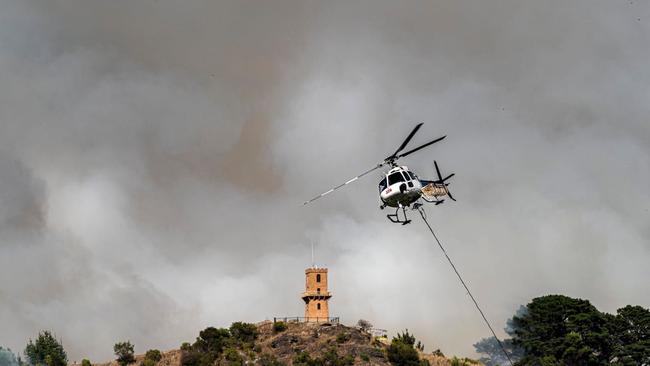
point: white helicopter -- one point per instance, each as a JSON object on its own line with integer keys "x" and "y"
{"x": 401, "y": 188}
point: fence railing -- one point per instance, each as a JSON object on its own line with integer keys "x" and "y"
{"x": 302, "y": 319}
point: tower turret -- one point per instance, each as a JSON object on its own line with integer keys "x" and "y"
{"x": 316, "y": 295}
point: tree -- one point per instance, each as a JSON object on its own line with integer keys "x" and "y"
{"x": 402, "y": 352}
{"x": 46, "y": 351}
{"x": 212, "y": 340}
{"x": 364, "y": 325}
{"x": 559, "y": 330}
{"x": 124, "y": 352}
{"x": 85, "y": 362}
{"x": 153, "y": 354}
{"x": 208, "y": 347}
{"x": 631, "y": 328}
{"x": 405, "y": 338}
{"x": 151, "y": 357}
{"x": 569, "y": 331}
{"x": 244, "y": 332}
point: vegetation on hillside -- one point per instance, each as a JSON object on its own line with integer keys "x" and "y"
{"x": 46, "y": 350}
{"x": 551, "y": 330}
{"x": 124, "y": 352}
{"x": 402, "y": 351}
{"x": 227, "y": 345}
{"x": 560, "y": 330}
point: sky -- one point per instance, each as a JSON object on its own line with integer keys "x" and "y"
{"x": 155, "y": 154}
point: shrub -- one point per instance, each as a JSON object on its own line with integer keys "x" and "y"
{"x": 46, "y": 350}
{"x": 85, "y": 362}
{"x": 402, "y": 351}
{"x": 124, "y": 353}
{"x": 364, "y": 357}
{"x": 342, "y": 337}
{"x": 244, "y": 332}
{"x": 233, "y": 357}
{"x": 270, "y": 360}
{"x": 364, "y": 325}
{"x": 212, "y": 340}
{"x": 279, "y": 327}
{"x": 402, "y": 354}
{"x": 457, "y": 362}
{"x": 301, "y": 357}
{"x": 153, "y": 354}
{"x": 331, "y": 357}
{"x": 406, "y": 338}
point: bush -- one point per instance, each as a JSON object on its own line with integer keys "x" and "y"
{"x": 402, "y": 351}
{"x": 332, "y": 358}
{"x": 279, "y": 327}
{"x": 208, "y": 347}
{"x": 212, "y": 340}
{"x": 402, "y": 354}
{"x": 364, "y": 357}
{"x": 85, "y": 362}
{"x": 233, "y": 357}
{"x": 244, "y": 332}
{"x": 46, "y": 350}
{"x": 270, "y": 360}
{"x": 364, "y": 325}
{"x": 153, "y": 355}
{"x": 302, "y": 358}
{"x": 342, "y": 337}
{"x": 124, "y": 352}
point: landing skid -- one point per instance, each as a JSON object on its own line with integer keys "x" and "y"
{"x": 394, "y": 218}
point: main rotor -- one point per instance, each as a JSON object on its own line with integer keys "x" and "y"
{"x": 390, "y": 160}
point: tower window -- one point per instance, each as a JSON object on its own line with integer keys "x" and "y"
{"x": 318, "y": 278}
{"x": 318, "y": 290}
{"x": 318, "y": 306}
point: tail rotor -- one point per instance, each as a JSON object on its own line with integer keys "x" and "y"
{"x": 442, "y": 180}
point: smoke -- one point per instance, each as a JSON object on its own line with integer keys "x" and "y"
{"x": 7, "y": 358}
{"x": 154, "y": 156}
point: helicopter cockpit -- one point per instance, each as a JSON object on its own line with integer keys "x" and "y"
{"x": 398, "y": 175}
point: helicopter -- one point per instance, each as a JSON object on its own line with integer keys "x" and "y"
{"x": 399, "y": 187}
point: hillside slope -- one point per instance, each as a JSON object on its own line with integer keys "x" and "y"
{"x": 318, "y": 341}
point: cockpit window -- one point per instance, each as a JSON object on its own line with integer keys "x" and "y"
{"x": 406, "y": 176}
{"x": 412, "y": 175}
{"x": 395, "y": 178}
{"x": 382, "y": 185}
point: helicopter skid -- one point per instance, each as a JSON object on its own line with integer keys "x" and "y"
{"x": 394, "y": 218}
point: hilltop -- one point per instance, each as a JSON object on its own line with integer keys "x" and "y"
{"x": 304, "y": 344}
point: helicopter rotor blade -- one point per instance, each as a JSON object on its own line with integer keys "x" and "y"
{"x": 420, "y": 147}
{"x": 437, "y": 170}
{"x": 445, "y": 178}
{"x": 449, "y": 194}
{"x": 406, "y": 141}
{"x": 346, "y": 183}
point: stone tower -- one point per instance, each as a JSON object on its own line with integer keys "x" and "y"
{"x": 316, "y": 295}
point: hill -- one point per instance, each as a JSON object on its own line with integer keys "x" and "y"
{"x": 307, "y": 344}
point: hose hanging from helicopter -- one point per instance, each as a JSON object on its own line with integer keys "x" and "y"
{"x": 424, "y": 218}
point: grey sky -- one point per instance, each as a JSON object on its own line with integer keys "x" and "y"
{"x": 154, "y": 156}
